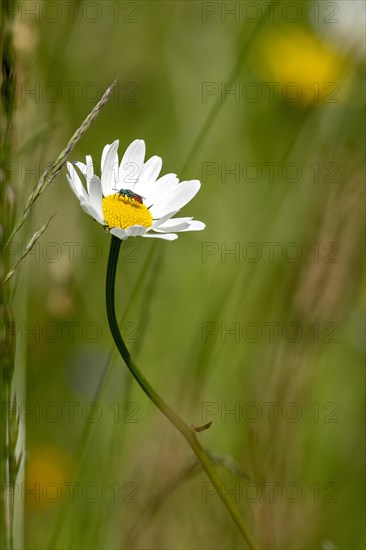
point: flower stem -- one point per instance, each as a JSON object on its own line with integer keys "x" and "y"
{"x": 184, "y": 429}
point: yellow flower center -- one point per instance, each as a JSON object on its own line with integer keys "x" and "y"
{"x": 122, "y": 211}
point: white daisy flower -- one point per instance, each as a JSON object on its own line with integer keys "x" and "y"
{"x": 129, "y": 198}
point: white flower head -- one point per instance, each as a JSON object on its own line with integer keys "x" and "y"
{"x": 129, "y": 198}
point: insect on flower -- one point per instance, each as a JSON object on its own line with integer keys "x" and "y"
{"x": 130, "y": 194}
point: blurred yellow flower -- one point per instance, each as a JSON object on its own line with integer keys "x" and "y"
{"x": 301, "y": 67}
{"x": 47, "y": 475}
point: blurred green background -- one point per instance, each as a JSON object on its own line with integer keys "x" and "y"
{"x": 261, "y": 314}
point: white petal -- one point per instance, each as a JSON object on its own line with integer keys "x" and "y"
{"x": 178, "y": 228}
{"x": 90, "y": 210}
{"x": 89, "y": 166}
{"x": 185, "y": 192}
{"x": 94, "y": 189}
{"x": 104, "y": 154}
{"x": 165, "y": 184}
{"x": 174, "y": 224}
{"x": 119, "y": 232}
{"x": 167, "y": 222}
{"x": 70, "y": 180}
{"x": 80, "y": 165}
{"x": 110, "y": 169}
{"x": 86, "y": 171}
{"x": 136, "y": 231}
{"x": 159, "y": 190}
{"x": 131, "y": 164}
{"x": 181, "y": 224}
{"x": 195, "y": 225}
{"x": 95, "y": 197}
{"x": 149, "y": 172}
{"x": 75, "y": 183}
{"x": 163, "y": 219}
{"x": 164, "y": 236}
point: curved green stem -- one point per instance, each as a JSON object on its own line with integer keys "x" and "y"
{"x": 184, "y": 429}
